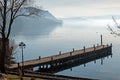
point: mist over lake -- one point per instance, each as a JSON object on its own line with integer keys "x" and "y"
{"x": 72, "y": 33}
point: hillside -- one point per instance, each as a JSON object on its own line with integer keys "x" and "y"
{"x": 43, "y": 22}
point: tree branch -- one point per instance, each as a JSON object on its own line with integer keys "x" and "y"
{"x": 4, "y": 18}
{"x": 1, "y": 14}
{"x": 13, "y": 13}
{"x": 0, "y": 26}
{"x": 112, "y": 31}
{"x": 117, "y": 25}
{"x": 11, "y": 18}
{"x": 1, "y": 9}
{"x": 1, "y": 29}
{"x": 18, "y": 7}
{"x": 1, "y": 3}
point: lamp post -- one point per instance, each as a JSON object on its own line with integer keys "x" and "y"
{"x": 22, "y": 46}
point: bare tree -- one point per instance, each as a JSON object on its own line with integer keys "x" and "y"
{"x": 9, "y": 11}
{"x": 116, "y": 29}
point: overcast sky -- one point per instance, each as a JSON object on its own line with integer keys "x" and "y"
{"x": 77, "y": 8}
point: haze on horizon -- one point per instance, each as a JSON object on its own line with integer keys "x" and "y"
{"x": 75, "y": 8}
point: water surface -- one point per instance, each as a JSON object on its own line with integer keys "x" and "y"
{"x": 49, "y": 40}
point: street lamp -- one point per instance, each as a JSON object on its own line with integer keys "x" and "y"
{"x": 22, "y": 46}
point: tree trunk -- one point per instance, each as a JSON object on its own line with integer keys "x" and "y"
{"x": 3, "y": 56}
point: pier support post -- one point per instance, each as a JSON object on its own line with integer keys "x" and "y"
{"x": 39, "y": 67}
{"x": 46, "y": 66}
{"x": 43, "y": 66}
{"x": 111, "y": 55}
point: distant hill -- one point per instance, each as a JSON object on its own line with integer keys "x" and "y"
{"x": 43, "y": 22}
{"x": 42, "y": 14}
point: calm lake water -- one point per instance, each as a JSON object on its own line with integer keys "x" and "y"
{"x": 73, "y": 33}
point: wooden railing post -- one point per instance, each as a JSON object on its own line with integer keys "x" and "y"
{"x": 70, "y": 53}
{"x": 51, "y": 58}
{"x": 94, "y": 47}
{"x": 39, "y": 57}
{"x": 18, "y": 65}
{"x": 59, "y": 52}
{"x": 111, "y": 44}
{"x": 103, "y": 46}
{"x": 101, "y": 39}
{"x": 107, "y": 45}
{"x": 84, "y": 49}
{"x": 73, "y": 49}
{"x": 97, "y": 45}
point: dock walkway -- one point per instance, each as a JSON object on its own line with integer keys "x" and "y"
{"x": 60, "y": 57}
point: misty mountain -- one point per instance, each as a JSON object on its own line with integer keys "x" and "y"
{"x": 42, "y": 22}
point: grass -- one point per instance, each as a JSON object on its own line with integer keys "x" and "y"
{"x": 15, "y": 77}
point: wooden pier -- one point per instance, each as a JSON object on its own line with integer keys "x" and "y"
{"x": 63, "y": 59}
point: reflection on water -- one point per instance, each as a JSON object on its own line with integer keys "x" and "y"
{"x": 50, "y": 40}
{"x": 75, "y": 62}
{"x": 30, "y": 28}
